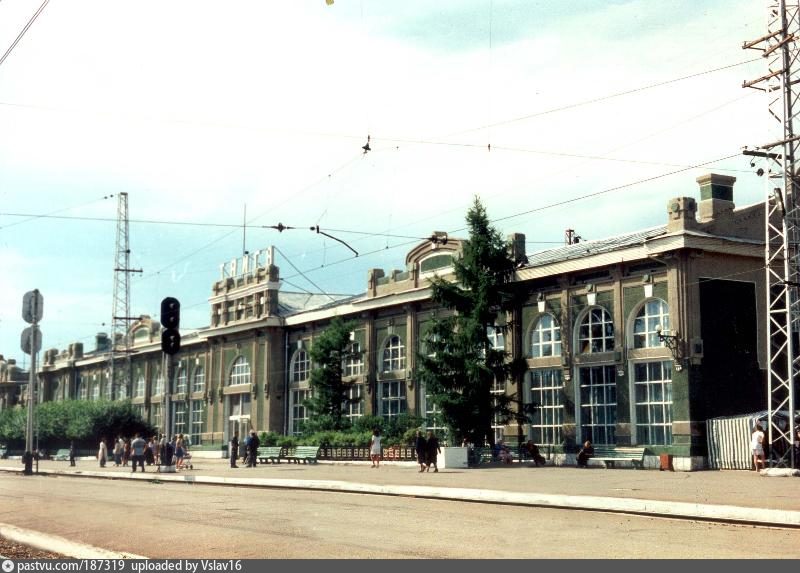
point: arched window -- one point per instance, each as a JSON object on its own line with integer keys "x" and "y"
{"x": 301, "y": 366}
{"x": 181, "y": 380}
{"x": 240, "y": 372}
{"x": 546, "y": 337}
{"x": 596, "y": 332}
{"x": 199, "y": 380}
{"x": 138, "y": 389}
{"x": 394, "y": 354}
{"x": 354, "y": 361}
{"x": 654, "y": 313}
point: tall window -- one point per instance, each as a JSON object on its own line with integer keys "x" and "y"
{"x": 598, "y": 393}
{"x": 393, "y": 398}
{"x": 354, "y": 362}
{"x": 546, "y": 337}
{"x": 199, "y": 384}
{"x": 653, "y": 391}
{"x": 138, "y": 389}
{"x": 155, "y": 416}
{"x": 181, "y": 380}
{"x": 179, "y": 412}
{"x": 654, "y": 313}
{"x": 596, "y": 332}
{"x": 197, "y": 420}
{"x": 158, "y": 385}
{"x": 433, "y": 416}
{"x": 81, "y": 388}
{"x": 122, "y": 390}
{"x": 301, "y": 366}
{"x": 240, "y": 372}
{"x": 109, "y": 387}
{"x": 299, "y": 411}
{"x": 497, "y": 341}
{"x": 96, "y": 387}
{"x": 547, "y": 420}
{"x": 355, "y": 409}
{"x": 394, "y": 354}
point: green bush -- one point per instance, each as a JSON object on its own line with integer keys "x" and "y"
{"x": 269, "y": 438}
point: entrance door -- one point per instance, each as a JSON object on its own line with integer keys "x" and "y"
{"x": 239, "y": 415}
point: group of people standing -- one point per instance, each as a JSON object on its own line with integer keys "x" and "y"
{"x": 427, "y": 451}
{"x": 251, "y": 445}
{"x": 138, "y": 451}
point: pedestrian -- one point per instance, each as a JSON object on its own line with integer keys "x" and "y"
{"x": 150, "y": 451}
{"x": 162, "y": 444}
{"x": 533, "y": 452}
{"x": 246, "y": 450}
{"x": 72, "y": 453}
{"x": 102, "y": 453}
{"x": 433, "y": 450}
{"x": 126, "y": 452}
{"x": 757, "y": 446}
{"x": 118, "y": 447}
{"x": 179, "y": 452}
{"x": 422, "y": 454}
{"x": 375, "y": 448}
{"x": 252, "y": 445}
{"x": 586, "y": 452}
{"x": 138, "y": 445}
{"x": 234, "y": 449}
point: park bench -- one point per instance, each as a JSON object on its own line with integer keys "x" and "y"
{"x": 306, "y": 454}
{"x": 61, "y": 456}
{"x": 265, "y": 454}
{"x": 609, "y": 455}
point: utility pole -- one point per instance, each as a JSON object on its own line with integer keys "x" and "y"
{"x": 780, "y": 49}
{"x": 120, "y": 367}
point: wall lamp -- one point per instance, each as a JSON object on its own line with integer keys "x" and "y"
{"x": 541, "y": 303}
{"x": 672, "y": 342}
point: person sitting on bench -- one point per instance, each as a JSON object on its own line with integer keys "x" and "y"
{"x": 587, "y": 451}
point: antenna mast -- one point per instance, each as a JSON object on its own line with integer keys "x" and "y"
{"x": 120, "y": 358}
{"x": 782, "y": 220}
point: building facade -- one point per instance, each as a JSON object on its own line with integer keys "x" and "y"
{"x": 632, "y": 340}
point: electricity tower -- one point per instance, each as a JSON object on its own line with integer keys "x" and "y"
{"x": 120, "y": 358}
{"x": 781, "y": 50}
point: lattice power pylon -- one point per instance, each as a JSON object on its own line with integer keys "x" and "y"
{"x": 120, "y": 358}
{"x": 781, "y": 49}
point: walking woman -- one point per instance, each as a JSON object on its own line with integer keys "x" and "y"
{"x": 421, "y": 447}
{"x": 375, "y": 448}
{"x": 757, "y": 446}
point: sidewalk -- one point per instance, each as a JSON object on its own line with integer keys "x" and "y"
{"x": 737, "y": 496}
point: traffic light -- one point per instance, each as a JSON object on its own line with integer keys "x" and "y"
{"x": 170, "y": 320}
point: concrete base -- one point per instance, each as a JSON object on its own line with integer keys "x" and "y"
{"x": 166, "y": 469}
{"x": 209, "y": 454}
{"x": 452, "y": 458}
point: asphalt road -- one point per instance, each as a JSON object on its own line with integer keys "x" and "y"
{"x": 183, "y": 520}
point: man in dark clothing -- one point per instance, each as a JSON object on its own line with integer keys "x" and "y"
{"x": 587, "y": 451}
{"x": 252, "y": 449}
{"x": 422, "y": 454}
{"x": 138, "y": 446}
{"x": 72, "y": 453}
{"x": 433, "y": 449}
{"x": 234, "y": 450}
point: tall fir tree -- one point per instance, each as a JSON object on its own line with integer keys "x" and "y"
{"x": 460, "y": 365}
{"x": 329, "y": 394}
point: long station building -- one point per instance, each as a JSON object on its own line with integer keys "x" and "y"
{"x": 637, "y": 339}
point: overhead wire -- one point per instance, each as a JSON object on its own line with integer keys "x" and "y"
{"x": 33, "y": 217}
{"x": 22, "y": 33}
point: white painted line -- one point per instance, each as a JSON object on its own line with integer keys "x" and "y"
{"x": 56, "y": 544}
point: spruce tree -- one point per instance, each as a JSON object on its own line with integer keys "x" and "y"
{"x": 328, "y": 392}
{"x": 460, "y": 365}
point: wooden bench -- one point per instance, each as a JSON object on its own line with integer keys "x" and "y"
{"x": 61, "y": 456}
{"x": 609, "y": 455}
{"x": 306, "y": 454}
{"x": 265, "y": 454}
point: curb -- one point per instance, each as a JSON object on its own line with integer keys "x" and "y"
{"x": 650, "y": 508}
{"x": 57, "y": 544}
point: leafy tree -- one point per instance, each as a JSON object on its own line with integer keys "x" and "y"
{"x": 460, "y": 364}
{"x": 328, "y": 392}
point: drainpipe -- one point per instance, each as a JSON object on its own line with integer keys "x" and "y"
{"x": 286, "y": 383}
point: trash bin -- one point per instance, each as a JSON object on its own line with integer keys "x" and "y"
{"x": 666, "y": 462}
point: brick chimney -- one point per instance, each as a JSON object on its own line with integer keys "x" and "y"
{"x": 716, "y": 196}
{"x": 681, "y": 214}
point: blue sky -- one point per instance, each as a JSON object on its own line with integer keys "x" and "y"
{"x": 197, "y": 110}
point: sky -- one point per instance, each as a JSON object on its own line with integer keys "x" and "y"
{"x": 210, "y": 114}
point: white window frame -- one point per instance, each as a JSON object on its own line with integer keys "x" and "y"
{"x": 392, "y": 399}
{"x": 598, "y": 399}
{"x": 651, "y": 406}
{"x": 199, "y": 382}
{"x": 653, "y": 313}
{"x": 394, "y": 354}
{"x": 82, "y": 390}
{"x": 179, "y": 417}
{"x": 158, "y": 383}
{"x": 138, "y": 389}
{"x": 182, "y": 380}
{"x": 353, "y": 364}
{"x": 541, "y": 348}
{"x": 585, "y": 336}
{"x": 354, "y": 410}
{"x": 301, "y": 366}
{"x": 239, "y": 373}
{"x": 546, "y": 388}
{"x": 196, "y": 420}
{"x": 299, "y": 413}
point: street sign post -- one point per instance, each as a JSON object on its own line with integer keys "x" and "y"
{"x": 31, "y": 342}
